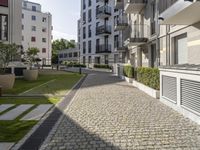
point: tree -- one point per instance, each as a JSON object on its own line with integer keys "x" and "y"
{"x": 58, "y": 45}
{"x": 7, "y": 53}
{"x": 31, "y": 56}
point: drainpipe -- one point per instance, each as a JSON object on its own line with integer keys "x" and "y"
{"x": 157, "y": 36}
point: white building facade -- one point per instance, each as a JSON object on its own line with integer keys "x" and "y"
{"x": 37, "y": 30}
{"x": 100, "y": 43}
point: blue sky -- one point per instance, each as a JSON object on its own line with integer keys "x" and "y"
{"x": 65, "y": 14}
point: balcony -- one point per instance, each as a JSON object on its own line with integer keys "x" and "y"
{"x": 119, "y": 4}
{"x": 103, "y": 48}
{"x": 134, "y": 6}
{"x": 103, "y": 30}
{"x": 136, "y": 35}
{"x": 103, "y": 12}
{"x": 119, "y": 46}
{"x": 179, "y": 12}
{"x": 121, "y": 23}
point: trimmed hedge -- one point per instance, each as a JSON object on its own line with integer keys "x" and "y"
{"x": 102, "y": 66}
{"x": 128, "y": 71}
{"x": 149, "y": 77}
{"x": 74, "y": 64}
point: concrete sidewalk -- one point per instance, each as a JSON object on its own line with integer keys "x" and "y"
{"x": 108, "y": 114}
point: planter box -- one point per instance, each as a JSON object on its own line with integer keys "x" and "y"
{"x": 150, "y": 91}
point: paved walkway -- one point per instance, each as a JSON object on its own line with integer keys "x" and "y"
{"x": 108, "y": 114}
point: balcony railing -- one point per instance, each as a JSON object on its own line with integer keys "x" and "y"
{"x": 136, "y": 34}
{"x": 103, "y": 48}
{"x": 134, "y": 6}
{"x": 121, "y": 23}
{"x": 104, "y": 11}
{"x": 104, "y": 29}
{"x": 119, "y": 4}
{"x": 119, "y": 46}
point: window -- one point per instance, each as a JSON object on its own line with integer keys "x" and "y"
{"x": 33, "y": 8}
{"x": 84, "y": 47}
{"x": 33, "y": 39}
{"x": 22, "y": 38}
{"x": 44, "y": 50}
{"x": 75, "y": 54}
{"x": 84, "y": 18}
{"x": 3, "y": 27}
{"x": 33, "y": 18}
{"x": 44, "y": 29}
{"x": 89, "y": 3}
{"x": 44, "y": 19}
{"x": 89, "y": 15}
{"x": 84, "y": 32}
{"x": 89, "y": 59}
{"x": 89, "y": 46}
{"x": 4, "y": 3}
{"x": 22, "y": 27}
{"x": 22, "y": 15}
{"x": 44, "y": 40}
{"x": 116, "y": 41}
{"x": 70, "y": 55}
{"x": 33, "y": 28}
{"x": 89, "y": 31}
{"x": 84, "y": 4}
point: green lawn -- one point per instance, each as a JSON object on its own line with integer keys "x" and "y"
{"x": 13, "y": 131}
{"x": 50, "y": 87}
{"x": 62, "y": 82}
{"x": 29, "y": 100}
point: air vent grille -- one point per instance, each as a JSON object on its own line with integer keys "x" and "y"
{"x": 190, "y": 94}
{"x": 169, "y": 88}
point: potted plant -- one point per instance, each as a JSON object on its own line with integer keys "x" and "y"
{"x": 31, "y": 54}
{"x": 7, "y": 53}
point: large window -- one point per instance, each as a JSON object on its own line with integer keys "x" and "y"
{"x": 4, "y": 3}
{"x": 3, "y": 27}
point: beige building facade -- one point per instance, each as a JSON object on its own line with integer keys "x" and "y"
{"x": 10, "y": 21}
{"x": 161, "y": 32}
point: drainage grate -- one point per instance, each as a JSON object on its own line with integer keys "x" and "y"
{"x": 169, "y": 88}
{"x": 190, "y": 94}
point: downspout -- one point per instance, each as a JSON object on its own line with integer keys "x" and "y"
{"x": 157, "y": 35}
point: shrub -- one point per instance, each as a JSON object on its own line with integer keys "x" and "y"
{"x": 149, "y": 77}
{"x": 102, "y": 66}
{"x": 73, "y": 64}
{"x": 128, "y": 71}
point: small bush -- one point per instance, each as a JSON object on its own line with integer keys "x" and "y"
{"x": 102, "y": 66}
{"x": 149, "y": 77}
{"x": 73, "y": 64}
{"x": 128, "y": 71}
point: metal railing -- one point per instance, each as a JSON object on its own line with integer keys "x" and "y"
{"x": 137, "y": 31}
{"x": 121, "y": 20}
{"x": 103, "y": 48}
{"x": 104, "y": 29}
{"x": 104, "y": 10}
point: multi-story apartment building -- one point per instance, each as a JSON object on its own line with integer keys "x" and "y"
{"x": 69, "y": 55}
{"x": 10, "y": 21}
{"x": 100, "y": 43}
{"x": 161, "y": 32}
{"x": 37, "y": 30}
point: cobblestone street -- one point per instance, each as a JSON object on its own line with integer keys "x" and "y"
{"x": 108, "y": 114}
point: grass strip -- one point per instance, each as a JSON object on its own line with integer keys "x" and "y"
{"x": 13, "y": 131}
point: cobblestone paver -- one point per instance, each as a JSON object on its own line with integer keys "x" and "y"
{"x": 107, "y": 114}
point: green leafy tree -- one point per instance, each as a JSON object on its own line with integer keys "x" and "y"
{"x": 7, "y": 53}
{"x": 58, "y": 45}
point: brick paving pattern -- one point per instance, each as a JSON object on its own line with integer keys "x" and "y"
{"x": 107, "y": 114}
